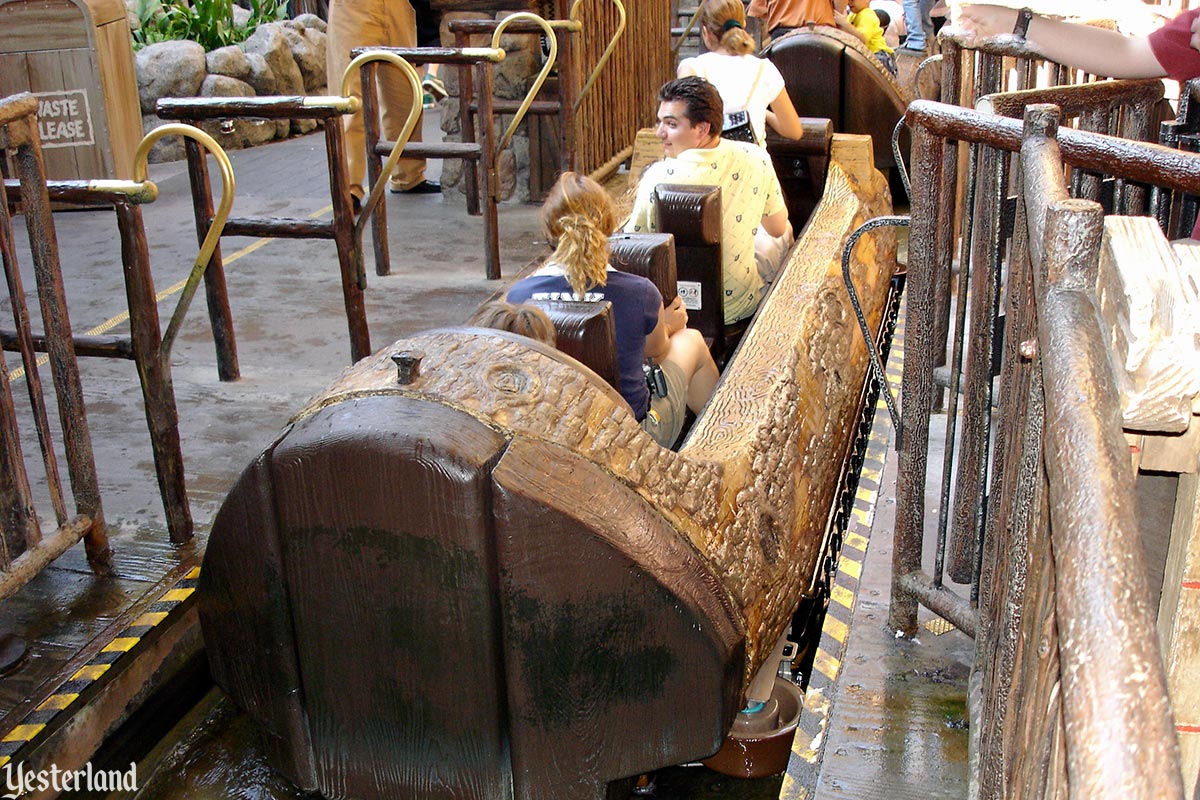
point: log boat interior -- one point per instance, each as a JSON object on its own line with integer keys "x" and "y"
{"x": 935, "y": 533}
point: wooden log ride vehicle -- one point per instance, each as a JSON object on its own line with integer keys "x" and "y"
{"x": 831, "y": 74}
{"x": 482, "y": 579}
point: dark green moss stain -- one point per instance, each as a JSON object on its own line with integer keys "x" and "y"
{"x": 439, "y": 565}
{"x": 953, "y": 709}
{"x": 426, "y": 598}
{"x": 579, "y": 656}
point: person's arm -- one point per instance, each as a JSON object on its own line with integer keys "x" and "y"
{"x": 675, "y": 316}
{"x": 1094, "y": 50}
{"x": 775, "y": 224}
{"x": 658, "y": 343}
{"x": 641, "y": 218}
{"x": 782, "y": 116}
{"x": 843, "y": 22}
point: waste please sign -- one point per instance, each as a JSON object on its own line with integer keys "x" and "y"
{"x": 64, "y": 119}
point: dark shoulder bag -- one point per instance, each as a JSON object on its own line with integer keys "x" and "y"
{"x": 737, "y": 123}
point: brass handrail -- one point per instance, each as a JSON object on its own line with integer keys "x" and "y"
{"x": 410, "y": 123}
{"x": 608, "y": 51}
{"x": 211, "y": 239}
{"x": 541, "y": 77}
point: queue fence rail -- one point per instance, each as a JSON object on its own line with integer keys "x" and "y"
{"x": 24, "y": 551}
{"x": 1053, "y": 564}
{"x": 339, "y": 228}
{"x": 970, "y": 72}
{"x": 989, "y": 187}
{"x": 477, "y": 152}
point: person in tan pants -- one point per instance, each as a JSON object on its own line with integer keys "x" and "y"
{"x": 361, "y": 23}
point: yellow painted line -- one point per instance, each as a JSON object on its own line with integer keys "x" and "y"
{"x": 120, "y": 645}
{"x": 874, "y": 474}
{"x": 842, "y": 596}
{"x": 91, "y": 672}
{"x": 850, "y": 567}
{"x": 3, "y": 760}
{"x": 857, "y": 541}
{"x": 816, "y": 704}
{"x": 808, "y": 754}
{"x": 868, "y": 496}
{"x": 827, "y": 665}
{"x": 790, "y": 790}
{"x": 22, "y": 733}
{"x": 862, "y": 516}
{"x": 194, "y": 572}
{"x": 836, "y": 628}
{"x": 150, "y": 618}
{"x": 176, "y": 595}
{"x": 57, "y": 702}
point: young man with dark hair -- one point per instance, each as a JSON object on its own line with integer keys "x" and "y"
{"x": 755, "y": 232}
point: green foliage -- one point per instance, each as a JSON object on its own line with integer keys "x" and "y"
{"x": 206, "y": 22}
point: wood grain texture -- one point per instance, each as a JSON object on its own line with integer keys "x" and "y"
{"x": 505, "y": 507}
{"x": 627, "y": 633}
{"x": 82, "y": 46}
{"x": 751, "y": 487}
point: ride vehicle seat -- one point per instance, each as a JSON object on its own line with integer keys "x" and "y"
{"x": 651, "y": 255}
{"x": 831, "y": 74}
{"x": 586, "y": 332}
{"x": 692, "y": 214}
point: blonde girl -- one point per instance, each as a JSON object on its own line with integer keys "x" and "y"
{"x": 578, "y": 217}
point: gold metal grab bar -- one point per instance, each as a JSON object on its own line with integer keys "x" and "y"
{"x": 608, "y": 51}
{"x": 410, "y": 123}
{"x": 541, "y": 77}
{"x": 211, "y": 239}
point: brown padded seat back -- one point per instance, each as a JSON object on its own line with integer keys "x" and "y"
{"x": 651, "y": 255}
{"x": 693, "y": 215}
{"x": 801, "y": 166}
{"x": 586, "y": 332}
{"x": 828, "y": 76}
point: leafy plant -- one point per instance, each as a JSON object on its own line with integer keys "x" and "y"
{"x": 209, "y": 23}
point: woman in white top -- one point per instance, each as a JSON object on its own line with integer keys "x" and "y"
{"x": 748, "y": 85}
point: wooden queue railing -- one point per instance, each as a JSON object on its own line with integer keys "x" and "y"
{"x": 484, "y": 151}
{"x": 146, "y": 345}
{"x": 1056, "y": 599}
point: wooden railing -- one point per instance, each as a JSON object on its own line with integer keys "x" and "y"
{"x": 1069, "y": 693}
{"x": 24, "y": 551}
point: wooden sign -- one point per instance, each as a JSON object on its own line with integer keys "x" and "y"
{"x": 647, "y": 148}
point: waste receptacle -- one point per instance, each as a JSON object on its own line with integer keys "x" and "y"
{"x": 77, "y": 57}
